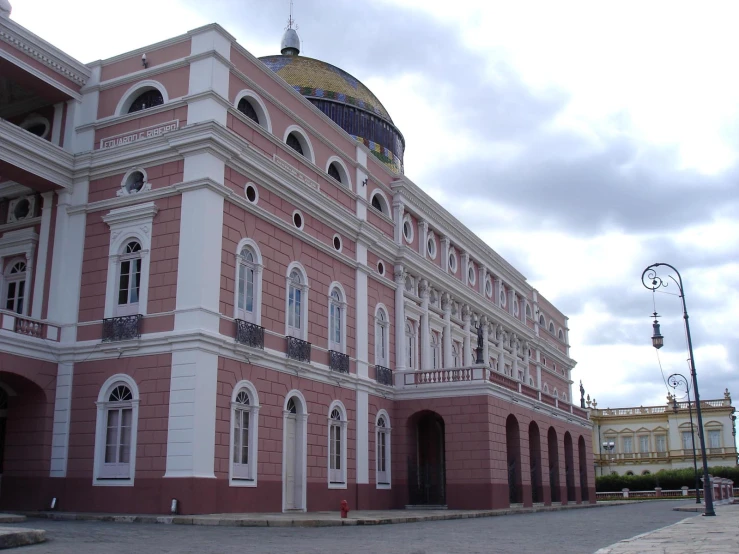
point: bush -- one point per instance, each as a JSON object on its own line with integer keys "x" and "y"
{"x": 668, "y": 479}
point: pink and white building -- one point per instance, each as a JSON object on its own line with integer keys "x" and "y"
{"x": 219, "y": 287}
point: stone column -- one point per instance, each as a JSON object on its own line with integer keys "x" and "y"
{"x": 511, "y": 298}
{"x": 498, "y": 285}
{"x": 485, "y": 346}
{"x": 467, "y": 354}
{"x": 514, "y": 345}
{"x": 398, "y": 213}
{"x": 400, "y": 346}
{"x": 446, "y": 305}
{"x": 526, "y": 369}
{"x": 445, "y": 242}
{"x": 538, "y": 369}
{"x": 465, "y": 261}
{"x": 503, "y": 337}
{"x": 423, "y": 235}
{"x": 423, "y": 291}
{"x": 483, "y": 274}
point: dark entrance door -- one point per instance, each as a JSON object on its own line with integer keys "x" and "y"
{"x": 426, "y": 469}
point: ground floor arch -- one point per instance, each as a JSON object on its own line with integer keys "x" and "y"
{"x": 583, "y": 459}
{"x": 427, "y": 459}
{"x": 513, "y": 452}
{"x": 569, "y": 468}
{"x": 537, "y": 492}
{"x": 294, "y": 453}
{"x": 553, "y": 465}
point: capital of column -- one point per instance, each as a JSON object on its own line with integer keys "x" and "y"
{"x": 399, "y": 275}
{"x": 446, "y": 302}
{"x": 424, "y": 289}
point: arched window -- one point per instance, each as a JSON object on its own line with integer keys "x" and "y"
{"x": 336, "y": 320}
{"x": 15, "y": 287}
{"x": 542, "y": 321}
{"x": 294, "y": 142}
{"x": 249, "y": 281}
{"x": 129, "y": 279}
{"x": 297, "y": 303}
{"x": 244, "y": 428}
{"x": 246, "y": 107}
{"x": 147, "y": 99}
{"x": 333, "y": 172}
{"x": 555, "y": 393}
{"x": 551, "y": 327}
{"x": 382, "y": 325}
{"x": 546, "y": 388}
{"x": 379, "y": 203}
{"x": 528, "y": 311}
{"x": 115, "y": 437}
{"x": 435, "y": 352}
{"x": 337, "y": 446}
{"x": 382, "y": 456}
{"x": 410, "y": 345}
{"x": 561, "y": 335}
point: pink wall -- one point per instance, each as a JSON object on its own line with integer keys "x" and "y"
{"x": 152, "y": 375}
{"x": 175, "y": 81}
{"x": 132, "y": 64}
{"x": 278, "y": 249}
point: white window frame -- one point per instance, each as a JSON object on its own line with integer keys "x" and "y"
{"x": 337, "y": 477}
{"x": 291, "y": 330}
{"x": 127, "y": 224}
{"x": 453, "y": 260}
{"x": 130, "y": 96}
{"x": 305, "y": 142}
{"x": 714, "y": 433}
{"x": 128, "y": 308}
{"x": 244, "y": 475}
{"x": 301, "y": 446}
{"x": 642, "y": 443}
{"x": 18, "y": 245}
{"x": 455, "y": 355}
{"x": 683, "y": 436}
{"x": 255, "y": 316}
{"x": 627, "y": 444}
{"x": 471, "y": 274}
{"x": 335, "y": 305}
{"x": 435, "y": 347}
{"x": 660, "y": 441}
{"x": 382, "y": 336}
{"x": 17, "y": 279}
{"x": 259, "y": 107}
{"x": 346, "y": 180}
{"x": 431, "y": 246}
{"x": 407, "y": 219}
{"x": 383, "y": 479}
{"x": 410, "y": 344}
{"x": 103, "y": 405}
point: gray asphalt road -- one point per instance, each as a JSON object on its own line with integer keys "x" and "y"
{"x": 572, "y": 531}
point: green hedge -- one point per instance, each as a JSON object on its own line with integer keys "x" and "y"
{"x": 668, "y": 479}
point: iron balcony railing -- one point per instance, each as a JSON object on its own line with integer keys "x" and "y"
{"x": 384, "y": 375}
{"x": 126, "y": 327}
{"x": 249, "y": 334}
{"x": 298, "y": 349}
{"x": 338, "y": 361}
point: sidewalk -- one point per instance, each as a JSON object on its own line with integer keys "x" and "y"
{"x": 696, "y": 534}
{"x": 312, "y": 519}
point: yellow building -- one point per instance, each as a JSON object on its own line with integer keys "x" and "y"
{"x": 643, "y": 440}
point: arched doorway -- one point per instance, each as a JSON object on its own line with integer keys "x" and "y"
{"x": 583, "y": 470}
{"x": 427, "y": 464}
{"x": 294, "y": 455}
{"x": 513, "y": 451}
{"x": 569, "y": 469}
{"x": 537, "y": 493}
{"x": 553, "y": 465}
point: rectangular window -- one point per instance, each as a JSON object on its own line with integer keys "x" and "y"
{"x": 382, "y": 478}
{"x": 117, "y": 444}
{"x": 687, "y": 440}
{"x": 294, "y": 308}
{"x": 335, "y": 454}
{"x": 241, "y": 445}
{"x": 714, "y": 439}
{"x": 628, "y": 445}
{"x": 644, "y": 444}
{"x": 661, "y": 443}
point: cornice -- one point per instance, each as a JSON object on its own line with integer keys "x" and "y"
{"x": 43, "y": 52}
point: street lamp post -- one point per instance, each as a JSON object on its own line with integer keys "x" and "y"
{"x": 609, "y": 446}
{"x": 676, "y": 380}
{"x": 652, "y": 281}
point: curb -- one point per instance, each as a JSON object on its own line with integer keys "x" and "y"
{"x": 279, "y": 521}
{"x": 10, "y": 537}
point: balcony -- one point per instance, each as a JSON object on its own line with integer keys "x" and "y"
{"x": 338, "y": 361}
{"x": 22, "y": 325}
{"x": 384, "y": 375}
{"x": 249, "y": 334}
{"x": 298, "y": 349}
{"x": 127, "y": 327}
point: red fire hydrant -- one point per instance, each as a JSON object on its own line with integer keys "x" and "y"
{"x": 344, "y": 509}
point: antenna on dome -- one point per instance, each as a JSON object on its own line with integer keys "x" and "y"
{"x": 290, "y": 41}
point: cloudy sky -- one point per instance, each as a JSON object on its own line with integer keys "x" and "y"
{"x": 582, "y": 140}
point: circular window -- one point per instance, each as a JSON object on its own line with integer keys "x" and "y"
{"x": 22, "y": 209}
{"x": 453, "y": 261}
{"x": 381, "y": 268}
{"x": 502, "y": 297}
{"x": 544, "y": 361}
{"x": 515, "y": 307}
{"x": 36, "y": 125}
{"x": 488, "y": 287}
{"x": 431, "y": 246}
{"x": 408, "y": 229}
{"x": 337, "y": 243}
{"x": 250, "y": 191}
{"x": 135, "y": 182}
{"x": 471, "y": 274}
{"x": 298, "y": 220}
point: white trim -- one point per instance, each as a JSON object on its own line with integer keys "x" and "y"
{"x": 381, "y": 272}
{"x": 261, "y": 108}
{"x": 384, "y": 202}
{"x": 256, "y": 192}
{"x": 408, "y": 219}
{"x": 304, "y": 287}
{"x": 346, "y": 180}
{"x": 388, "y": 450}
{"x": 471, "y": 277}
{"x": 341, "y": 346}
{"x": 125, "y": 190}
{"x": 124, "y": 104}
{"x": 101, "y": 427}
{"x": 304, "y": 141}
{"x": 431, "y": 242}
{"x": 35, "y": 119}
{"x": 131, "y": 222}
{"x": 340, "y": 483}
{"x": 258, "y": 269}
{"x": 253, "y": 409}
{"x": 302, "y": 220}
{"x": 453, "y": 257}
{"x": 341, "y": 242}
{"x": 301, "y": 450}
{"x": 385, "y": 362}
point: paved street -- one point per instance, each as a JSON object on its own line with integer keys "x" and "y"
{"x": 571, "y": 532}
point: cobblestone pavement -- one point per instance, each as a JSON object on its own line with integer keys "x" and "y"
{"x": 717, "y": 535}
{"x": 571, "y": 532}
